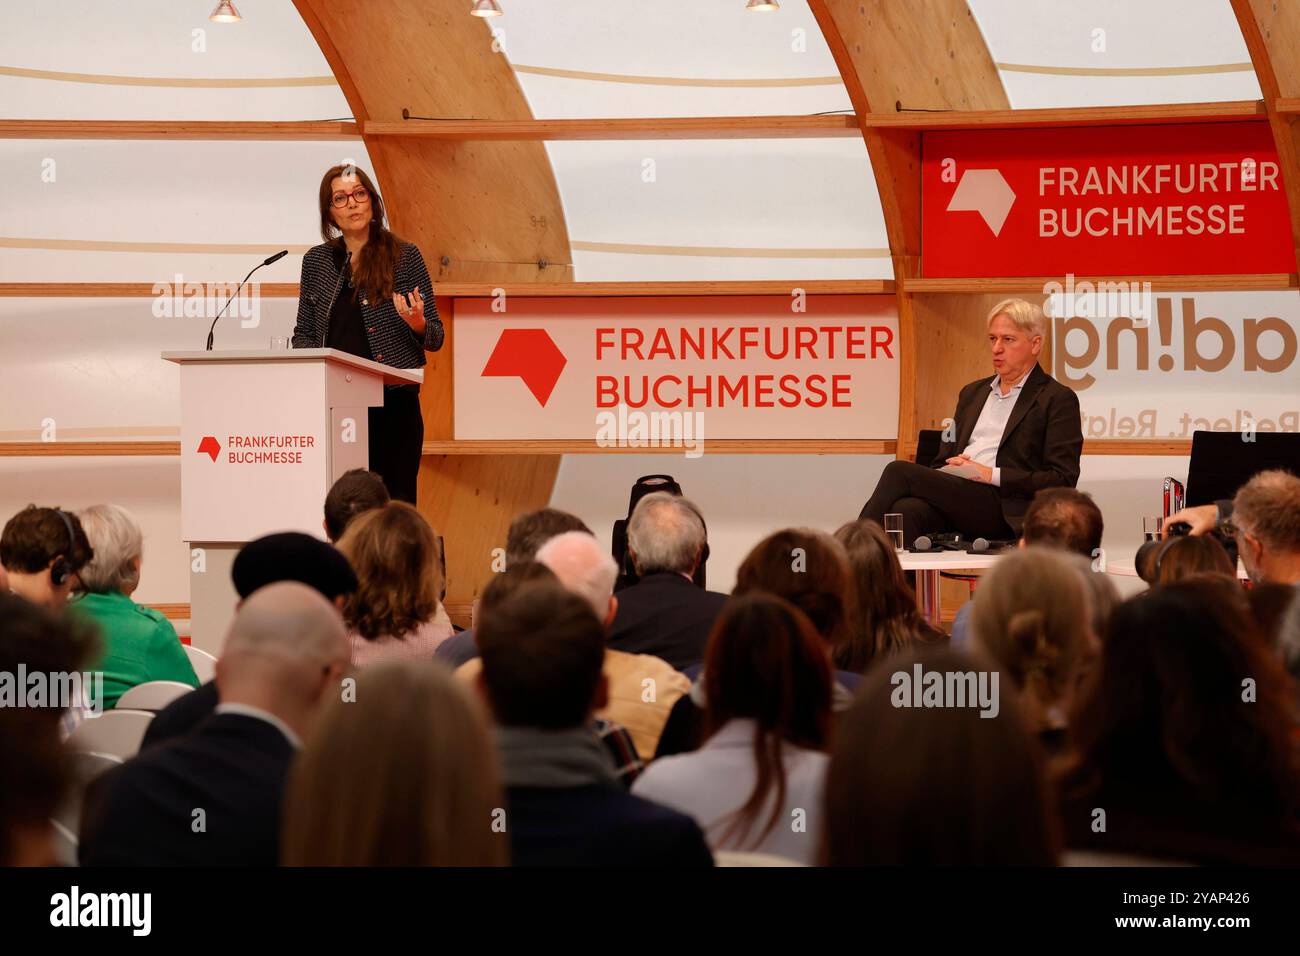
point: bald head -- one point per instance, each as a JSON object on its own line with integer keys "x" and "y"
{"x": 584, "y": 568}
{"x": 286, "y": 620}
{"x": 285, "y": 647}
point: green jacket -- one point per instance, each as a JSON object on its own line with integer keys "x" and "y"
{"x": 140, "y": 645}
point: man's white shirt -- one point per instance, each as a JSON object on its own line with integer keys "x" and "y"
{"x": 987, "y": 435}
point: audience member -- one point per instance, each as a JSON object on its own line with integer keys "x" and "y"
{"x": 1266, "y": 516}
{"x": 356, "y": 491}
{"x": 665, "y": 613}
{"x": 755, "y": 784}
{"x": 287, "y": 556}
{"x": 1288, "y": 642}
{"x": 1183, "y": 736}
{"x": 543, "y": 653}
{"x": 527, "y": 533}
{"x": 935, "y": 785}
{"x": 810, "y": 569}
{"x": 622, "y": 748}
{"x": 213, "y": 797}
{"x": 404, "y": 774}
{"x": 33, "y": 763}
{"x": 395, "y": 613}
{"x": 883, "y": 618}
{"x": 1179, "y": 557}
{"x": 1031, "y": 616}
{"x": 140, "y": 644}
{"x": 1269, "y": 602}
{"x": 1063, "y": 518}
{"x": 42, "y": 551}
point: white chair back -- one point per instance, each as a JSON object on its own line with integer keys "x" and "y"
{"x": 65, "y": 844}
{"x": 153, "y": 695}
{"x": 204, "y": 664}
{"x": 118, "y": 733}
{"x": 67, "y": 821}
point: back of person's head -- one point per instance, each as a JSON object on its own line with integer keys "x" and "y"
{"x": 118, "y": 543}
{"x": 285, "y": 646}
{"x": 531, "y": 530}
{"x": 1268, "y": 507}
{"x": 810, "y": 570}
{"x": 1100, "y": 591}
{"x": 583, "y": 567}
{"x": 1064, "y": 518}
{"x": 1181, "y": 557}
{"x": 940, "y": 785}
{"x": 404, "y": 775}
{"x": 665, "y": 533}
{"x": 35, "y": 764}
{"x": 35, "y": 537}
{"x": 394, "y": 553}
{"x": 883, "y": 618}
{"x": 292, "y": 556}
{"x": 765, "y": 663}
{"x": 1189, "y": 705}
{"x": 355, "y": 491}
{"x": 542, "y": 651}
{"x": 514, "y": 577}
{"x": 1031, "y": 615}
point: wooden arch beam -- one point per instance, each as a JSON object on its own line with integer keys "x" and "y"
{"x": 914, "y": 56}
{"x": 480, "y": 211}
{"x": 1272, "y": 34}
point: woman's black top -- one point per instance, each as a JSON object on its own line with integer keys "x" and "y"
{"x": 347, "y": 325}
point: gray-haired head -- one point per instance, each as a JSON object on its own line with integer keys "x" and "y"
{"x": 583, "y": 567}
{"x": 1025, "y": 316}
{"x": 665, "y": 533}
{"x": 118, "y": 543}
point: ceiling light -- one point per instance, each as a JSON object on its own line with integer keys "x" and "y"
{"x": 763, "y": 5}
{"x": 225, "y": 13}
{"x": 486, "y": 8}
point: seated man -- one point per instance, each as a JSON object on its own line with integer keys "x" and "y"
{"x": 1265, "y": 517}
{"x": 542, "y": 652}
{"x": 213, "y": 797}
{"x": 43, "y": 551}
{"x": 1014, "y": 434}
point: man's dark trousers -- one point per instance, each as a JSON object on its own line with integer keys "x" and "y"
{"x": 931, "y": 500}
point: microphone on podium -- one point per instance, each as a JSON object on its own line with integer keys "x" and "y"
{"x": 265, "y": 262}
{"x": 922, "y": 543}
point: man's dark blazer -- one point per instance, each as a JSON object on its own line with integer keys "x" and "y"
{"x": 666, "y": 615}
{"x": 232, "y": 767}
{"x": 1041, "y": 444}
{"x": 599, "y": 825}
{"x": 182, "y": 715}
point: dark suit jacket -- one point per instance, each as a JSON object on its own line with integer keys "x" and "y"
{"x": 599, "y": 825}
{"x": 665, "y": 615}
{"x": 142, "y": 813}
{"x": 1041, "y": 444}
{"x": 182, "y": 715}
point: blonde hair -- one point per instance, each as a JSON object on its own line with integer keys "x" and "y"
{"x": 404, "y": 775}
{"x": 1025, "y": 316}
{"x": 1031, "y": 615}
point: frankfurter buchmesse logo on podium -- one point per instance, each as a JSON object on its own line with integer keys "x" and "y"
{"x": 528, "y": 354}
{"x": 258, "y": 449}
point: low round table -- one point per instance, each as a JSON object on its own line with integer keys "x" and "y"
{"x": 927, "y": 568}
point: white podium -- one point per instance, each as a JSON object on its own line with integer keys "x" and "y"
{"x": 263, "y": 436}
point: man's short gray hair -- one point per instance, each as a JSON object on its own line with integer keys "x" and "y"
{"x": 666, "y": 533}
{"x": 1025, "y": 316}
{"x": 117, "y": 540}
{"x": 583, "y": 567}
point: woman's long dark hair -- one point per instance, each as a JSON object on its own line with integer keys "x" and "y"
{"x": 810, "y": 570}
{"x": 883, "y": 618}
{"x": 1166, "y": 716}
{"x": 765, "y": 663}
{"x": 372, "y": 271}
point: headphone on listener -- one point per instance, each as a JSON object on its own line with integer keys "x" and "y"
{"x": 61, "y": 569}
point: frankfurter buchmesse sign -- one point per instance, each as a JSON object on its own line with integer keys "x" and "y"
{"x": 1181, "y": 199}
{"x": 602, "y": 368}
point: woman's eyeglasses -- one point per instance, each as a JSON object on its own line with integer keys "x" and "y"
{"x": 360, "y": 194}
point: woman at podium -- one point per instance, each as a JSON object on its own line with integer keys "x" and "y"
{"x": 367, "y": 292}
